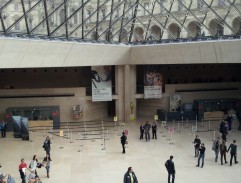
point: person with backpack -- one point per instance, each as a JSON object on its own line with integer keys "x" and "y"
{"x": 223, "y": 150}
{"x": 170, "y": 169}
{"x": 216, "y": 147}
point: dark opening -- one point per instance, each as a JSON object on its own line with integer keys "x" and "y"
{"x": 111, "y": 108}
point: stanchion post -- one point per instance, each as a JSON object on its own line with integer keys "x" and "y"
{"x": 80, "y": 146}
{"x": 214, "y": 134}
{"x": 187, "y": 123}
{"x": 196, "y": 122}
{"x": 71, "y": 137}
{"x": 93, "y": 140}
{"x": 178, "y": 127}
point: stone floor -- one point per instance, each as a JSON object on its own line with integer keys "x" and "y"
{"x": 85, "y": 160}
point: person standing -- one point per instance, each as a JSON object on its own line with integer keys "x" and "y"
{"x": 170, "y": 169}
{"x": 4, "y": 129}
{"x": 22, "y": 170}
{"x": 233, "y": 152}
{"x": 46, "y": 145}
{"x": 201, "y": 155}
{"x": 197, "y": 143}
{"x": 229, "y": 119}
{"x": 130, "y": 176}
{"x": 123, "y": 142}
{"x": 141, "y": 131}
{"x": 154, "y": 129}
{"x": 216, "y": 148}
{"x": 223, "y": 150}
{"x": 46, "y": 161}
{"x": 147, "y": 131}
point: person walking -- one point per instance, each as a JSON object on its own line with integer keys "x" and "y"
{"x": 123, "y": 142}
{"x": 154, "y": 129}
{"x": 216, "y": 147}
{"x": 223, "y": 150}
{"x": 197, "y": 143}
{"x": 233, "y": 152}
{"x": 46, "y": 162}
{"x": 147, "y": 131}
{"x": 46, "y": 145}
{"x": 201, "y": 155}
{"x": 33, "y": 164}
{"x": 130, "y": 176}
{"x": 170, "y": 169}
{"x": 141, "y": 131}
{"x": 22, "y": 170}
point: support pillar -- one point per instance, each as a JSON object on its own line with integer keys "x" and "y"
{"x": 119, "y": 90}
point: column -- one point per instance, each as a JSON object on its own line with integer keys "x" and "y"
{"x": 119, "y": 90}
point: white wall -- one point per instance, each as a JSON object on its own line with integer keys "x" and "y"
{"x": 18, "y": 53}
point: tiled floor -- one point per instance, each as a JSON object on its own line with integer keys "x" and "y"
{"x": 90, "y": 164}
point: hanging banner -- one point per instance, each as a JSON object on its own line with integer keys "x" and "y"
{"x": 175, "y": 102}
{"x": 101, "y": 77}
{"x": 24, "y": 128}
{"x": 152, "y": 83}
{"x": 17, "y": 126}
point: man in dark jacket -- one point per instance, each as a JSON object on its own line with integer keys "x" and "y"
{"x": 154, "y": 128}
{"x": 130, "y": 176}
{"x": 233, "y": 152}
{"x": 147, "y": 131}
{"x": 170, "y": 169}
{"x": 123, "y": 142}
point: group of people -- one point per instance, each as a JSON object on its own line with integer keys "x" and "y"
{"x": 145, "y": 128}
{"x": 32, "y": 167}
{"x": 34, "y": 164}
{"x": 219, "y": 146}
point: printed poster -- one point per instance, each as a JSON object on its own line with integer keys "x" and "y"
{"x": 101, "y": 83}
{"x": 152, "y": 83}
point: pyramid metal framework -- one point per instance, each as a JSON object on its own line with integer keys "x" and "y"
{"x": 120, "y": 21}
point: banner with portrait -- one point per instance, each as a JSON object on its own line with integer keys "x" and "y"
{"x": 152, "y": 83}
{"x": 175, "y": 102}
{"x": 101, "y": 77}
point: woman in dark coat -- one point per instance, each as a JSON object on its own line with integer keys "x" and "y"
{"x": 46, "y": 145}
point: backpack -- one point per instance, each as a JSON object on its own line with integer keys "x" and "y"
{"x": 166, "y": 164}
{"x": 10, "y": 179}
{"x": 215, "y": 145}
